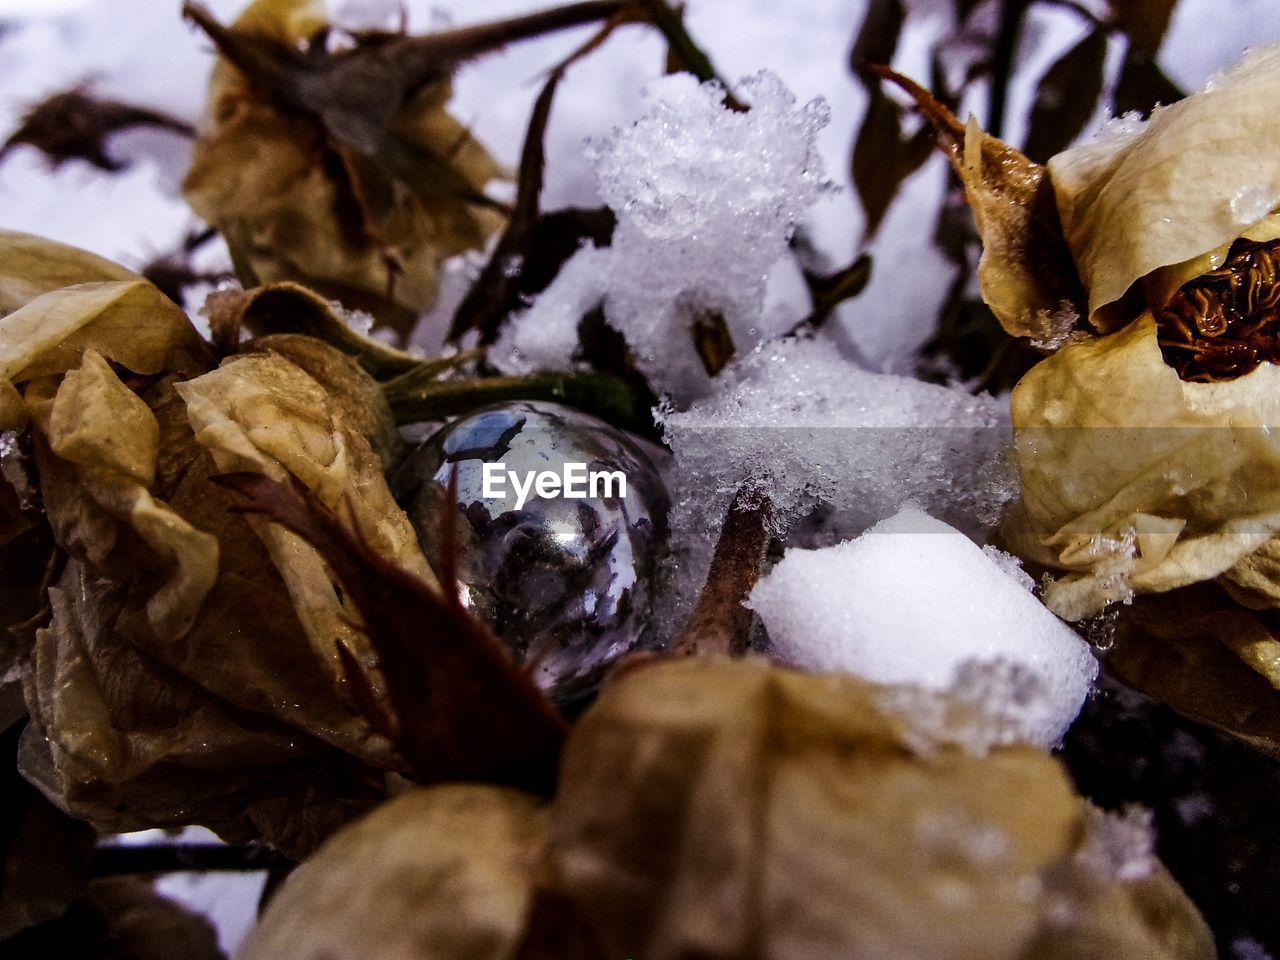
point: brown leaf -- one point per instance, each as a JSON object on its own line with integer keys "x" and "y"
{"x": 1143, "y": 21}
{"x": 882, "y": 157}
{"x": 830, "y": 290}
{"x": 1142, "y": 85}
{"x": 466, "y": 711}
{"x": 492, "y": 297}
{"x": 1066, "y": 97}
{"x": 1190, "y": 649}
{"x": 75, "y": 125}
{"x": 1026, "y": 273}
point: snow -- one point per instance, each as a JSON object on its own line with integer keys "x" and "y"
{"x": 810, "y": 428}
{"x": 914, "y": 602}
{"x": 227, "y": 900}
{"x": 706, "y": 199}
{"x": 1120, "y": 845}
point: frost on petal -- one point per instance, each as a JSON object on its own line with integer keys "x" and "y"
{"x": 1136, "y": 481}
{"x": 1175, "y": 192}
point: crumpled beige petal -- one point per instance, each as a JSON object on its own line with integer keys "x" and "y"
{"x": 1137, "y": 481}
{"x": 128, "y": 321}
{"x": 441, "y": 872}
{"x": 261, "y": 413}
{"x": 110, "y": 438}
{"x": 31, "y": 265}
{"x": 119, "y": 739}
{"x": 733, "y": 809}
{"x": 1199, "y": 174}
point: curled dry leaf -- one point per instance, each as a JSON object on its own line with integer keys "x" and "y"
{"x": 1207, "y": 657}
{"x": 730, "y": 809}
{"x": 190, "y": 671}
{"x": 364, "y": 219}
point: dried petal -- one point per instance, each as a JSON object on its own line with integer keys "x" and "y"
{"x": 1198, "y": 175}
{"x": 440, "y": 872}
{"x": 1025, "y": 274}
{"x": 732, "y": 809}
{"x": 127, "y": 321}
{"x": 30, "y": 266}
{"x": 109, "y": 439}
{"x": 1206, "y": 657}
{"x": 1136, "y": 480}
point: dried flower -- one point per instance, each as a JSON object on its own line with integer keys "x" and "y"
{"x": 191, "y": 667}
{"x": 736, "y": 810}
{"x": 359, "y": 195}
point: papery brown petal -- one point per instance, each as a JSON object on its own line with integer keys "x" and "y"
{"x": 1026, "y": 273}
{"x": 727, "y": 809}
{"x": 356, "y": 183}
{"x": 121, "y": 740}
{"x": 262, "y": 413}
{"x": 1194, "y": 650}
{"x": 465, "y": 710}
{"x": 442, "y": 872}
{"x": 357, "y": 398}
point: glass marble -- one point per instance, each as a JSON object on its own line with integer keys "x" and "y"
{"x": 568, "y": 584}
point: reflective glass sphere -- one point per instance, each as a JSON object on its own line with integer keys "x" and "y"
{"x": 567, "y": 582}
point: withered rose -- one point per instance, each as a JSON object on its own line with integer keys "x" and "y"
{"x": 359, "y": 191}
{"x": 189, "y": 670}
{"x": 1146, "y": 443}
{"x": 731, "y": 809}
